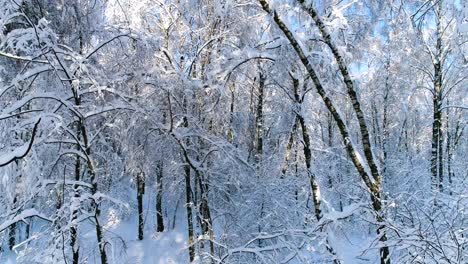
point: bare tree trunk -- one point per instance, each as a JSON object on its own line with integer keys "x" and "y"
{"x": 188, "y": 198}
{"x": 93, "y": 179}
{"x": 91, "y": 172}
{"x": 385, "y": 119}
{"x": 76, "y": 195}
{"x": 308, "y": 160}
{"x": 437, "y": 136}
{"x": 449, "y": 149}
{"x": 259, "y": 143}
{"x": 231, "y": 113}
{"x": 307, "y": 151}
{"x": 365, "y": 139}
{"x": 375, "y": 184}
{"x": 94, "y": 189}
{"x": 259, "y": 117}
{"x": 330, "y": 145}
{"x": 12, "y": 231}
{"x": 207, "y": 224}
{"x": 140, "y": 192}
{"x": 188, "y": 201}
{"x": 287, "y": 156}
{"x": 206, "y": 221}
{"x": 159, "y": 192}
{"x": 86, "y": 148}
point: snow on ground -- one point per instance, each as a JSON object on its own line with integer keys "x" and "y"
{"x": 352, "y": 249}
{"x": 168, "y": 247}
{"x": 171, "y": 247}
{"x": 165, "y": 248}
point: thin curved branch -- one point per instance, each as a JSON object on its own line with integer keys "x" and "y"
{"x": 245, "y": 61}
{"x": 7, "y": 160}
{"x": 14, "y": 57}
{"x": 107, "y": 42}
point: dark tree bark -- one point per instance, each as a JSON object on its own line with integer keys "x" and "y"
{"x": 86, "y": 148}
{"x": 259, "y": 116}
{"x": 231, "y": 113}
{"x": 76, "y": 195}
{"x": 94, "y": 190}
{"x": 12, "y": 232}
{"x": 188, "y": 199}
{"x": 30, "y": 144}
{"x": 159, "y": 192}
{"x": 206, "y": 224}
{"x": 449, "y": 149}
{"x": 140, "y": 192}
{"x": 385, "y": 121}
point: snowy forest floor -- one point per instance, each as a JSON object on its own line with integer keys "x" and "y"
{"x": 171, "y": 247}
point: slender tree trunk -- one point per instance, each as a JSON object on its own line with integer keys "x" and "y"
{"x": 12, "y": 231}
{"x": 437, "y": 136}
{"x": 259, "y": 117}
{"x": 307, "y": 150}
{"x": 90, "y": 167}
{"x": 140, "y": 192}
{"x": 12, "y": 236}
{"x": 93, "y": 179}
{"x": 385, "y": 120}
{"x": 75, "y": 203}
{"x": 189, "y": 201}
{"x": 435, "y": 140}
{"x": 259, "y": 144}
{"x": 159, "y": 192}
{"x": 449, "y": 149}
{"x": 330, "y": 145}
{"x": 308, "y": 160}
{"x": 351, "y": 91}
{"x": 231, "y": 113}
{"x": 365, "y": 138}
{"x": 313, "y": 181}
{"x": 376, "y": 126}
{"x": 377, "y": 206}
{"x": 289, "y": 146}
{"x": 94, "y": 190}
{"x": 372, "y": 184}
{"x": 207, "y": 224}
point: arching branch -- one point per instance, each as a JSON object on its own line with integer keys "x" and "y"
{"x": 9, "y": 158}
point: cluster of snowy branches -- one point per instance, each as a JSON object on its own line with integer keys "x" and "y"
{"x": 266, "y": 131}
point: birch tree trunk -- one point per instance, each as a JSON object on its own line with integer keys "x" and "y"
{"x": 375, "y": 184}
{"x": 437, "y": 136}
{"x": 308, "y": 161}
